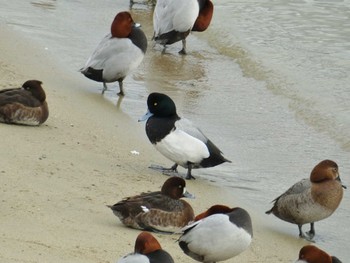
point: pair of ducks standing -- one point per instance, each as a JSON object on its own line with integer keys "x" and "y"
{"x": 122, "y": 50}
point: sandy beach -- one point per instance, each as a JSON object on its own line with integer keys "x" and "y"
{"x": 57, "y": 179}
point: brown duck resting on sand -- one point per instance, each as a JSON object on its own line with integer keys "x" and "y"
{"x": 26, "y": 105}
{"x": 160, "y": 211}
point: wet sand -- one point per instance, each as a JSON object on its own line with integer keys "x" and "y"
{"x": 58, "y": 178}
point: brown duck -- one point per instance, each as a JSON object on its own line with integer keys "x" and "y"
{"x": 26, "y": 105}
{"x": 161, "y": 211}
{"x": 311, "y": 200}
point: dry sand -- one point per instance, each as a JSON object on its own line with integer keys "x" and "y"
{"x": 57, "y": 179}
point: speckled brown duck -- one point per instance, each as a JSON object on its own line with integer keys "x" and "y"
{"x": 161, "y": 211}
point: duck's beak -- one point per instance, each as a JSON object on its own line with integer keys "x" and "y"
{"x": 146, "y": 116}
{"x": 338, "y": 179}
{"x": 188, "y": 194}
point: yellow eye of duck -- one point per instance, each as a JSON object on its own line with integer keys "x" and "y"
{"x": 155, "y": 104}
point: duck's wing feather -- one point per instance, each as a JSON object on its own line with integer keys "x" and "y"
{"x": 188, "y": 127}
{"x": 172, "y": 15}
{"x": 149, "y": 200}
{"x": 297, "y": 188}
{"x": 162, "y": 17}
{"x": 106, "y": 51}
{"x": 18, "y": 95}
{"x": 9, "y": 91}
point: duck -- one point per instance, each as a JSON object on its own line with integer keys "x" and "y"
{"x": 217, "y": 234}
{"x": 312, "y": 199}
{"x": 147, "y": 250}
{"x": 178, "y": 139}
{"x": 25, "y": 105}
{"x": 160, "y": 211}
{"x": 174, "y": 20}
{"x": 119, "y": 52}
{"x": 312, "y": 254}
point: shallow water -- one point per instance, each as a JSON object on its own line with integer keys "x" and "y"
{"x": 268, "y": 82}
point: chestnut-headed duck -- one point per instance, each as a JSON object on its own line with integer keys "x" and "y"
{"x": 120, "y": 52}
{"x": 174, "y": 20}
{"x": 311, "y": 200}
{"x": 26, "y": 105}
{"x": 147, "y": 250}
{"x": 161, "y": 211}
{"x": 217, "y": 234}
{"x": 177, "y": 138}
{"x": 312, "y": 254}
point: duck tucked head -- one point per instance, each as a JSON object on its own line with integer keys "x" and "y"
{"x": 34, "y": 87}
{"x": 215, "y": 209}
{"x": 146, "y": 243}
{"x": 175, "y": 187}
{"x": 122, "y": 25}
{"x": 325, "y": 170}
{"x": 161, "y": 105}
{"x": 312, "y": 254}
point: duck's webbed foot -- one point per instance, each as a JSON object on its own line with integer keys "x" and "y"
{"x": 308, "y": 235}
{"x": 165, "y": 171}
{"x": 164, "y": 50}
{"x": 172, "y": 169}
{"x": 301, "y": 234}
{"x": 183, "y": 50}
{"x": 104, "y": 88}
{"x": 311, "y": 232}
{"x": 189, "y": 174}
{"x": 121, "y": 91}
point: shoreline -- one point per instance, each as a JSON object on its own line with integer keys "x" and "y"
{"x": 59, "y": 177}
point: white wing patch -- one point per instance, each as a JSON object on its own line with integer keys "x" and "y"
{"x": 181, "y": 148}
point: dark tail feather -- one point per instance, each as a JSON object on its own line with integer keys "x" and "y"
{"x": 215, "y": 157}
{"x": 94, "y": 74}
{"x": 171, "y": 37}
{"x": 119, "y": 210}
